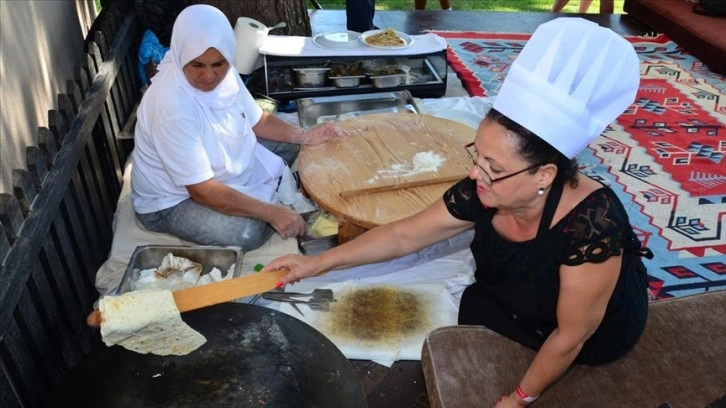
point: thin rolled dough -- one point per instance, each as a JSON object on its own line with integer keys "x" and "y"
{"x": 147, "y": 321}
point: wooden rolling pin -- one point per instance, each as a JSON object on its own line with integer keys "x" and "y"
{"x": 214, "y": 293}
{"x": 400, "y": 186}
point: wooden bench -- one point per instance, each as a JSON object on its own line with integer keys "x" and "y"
{"x": 56, "y": 226}
{"x": 677, "y": 363}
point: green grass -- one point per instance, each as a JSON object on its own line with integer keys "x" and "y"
{"x": 479, "y": 5}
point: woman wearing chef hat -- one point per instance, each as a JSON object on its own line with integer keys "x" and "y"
{"x": 558, "y": 266}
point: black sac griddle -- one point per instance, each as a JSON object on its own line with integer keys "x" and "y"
{"x": 254, "y": 357}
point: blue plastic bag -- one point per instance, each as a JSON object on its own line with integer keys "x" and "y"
{"x": 150, "y": 50}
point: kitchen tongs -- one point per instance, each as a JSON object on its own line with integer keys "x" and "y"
{"x": 324, "y": 294}
{"x": 318, "y": 299}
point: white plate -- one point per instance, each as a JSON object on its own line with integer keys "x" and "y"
{"x": 466, "y": 118}
{"x": 407, "y": 40}
{"x": 337, "y": 40}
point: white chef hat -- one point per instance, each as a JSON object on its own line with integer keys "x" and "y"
{"x": 570, "y": 81}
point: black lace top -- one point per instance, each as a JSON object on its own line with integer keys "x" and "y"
{"x": 523, "y": 277}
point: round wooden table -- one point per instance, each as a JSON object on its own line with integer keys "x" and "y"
{"x": 379, "y": 154}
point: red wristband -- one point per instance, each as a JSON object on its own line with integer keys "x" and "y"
{"x": 526, "y": 398}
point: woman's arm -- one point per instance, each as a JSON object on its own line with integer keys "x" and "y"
{"x": 383, "y": 243}
{"x": 227, "y": 200}
{"x": 273, "y": 128}
{"x": 585, "y": 291}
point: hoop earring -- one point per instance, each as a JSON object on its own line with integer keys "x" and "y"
{"x": 540, "y": 191}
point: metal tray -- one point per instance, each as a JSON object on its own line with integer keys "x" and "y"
{"x": 347, "y": 81}
{"x": 388, "y": 81}
{"x": 150, "y": 256}
{"x": 311, "y": 77}
{"x": 308, "y": 244}
{"x": 312, "y": 111}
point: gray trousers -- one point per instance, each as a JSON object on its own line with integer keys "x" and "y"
{"x": 196, "y": 223}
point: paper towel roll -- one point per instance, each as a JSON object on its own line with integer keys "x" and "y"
{"x": 250, "y": 35}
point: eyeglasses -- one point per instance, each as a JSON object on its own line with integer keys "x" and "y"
{"x": 483, "y": 175}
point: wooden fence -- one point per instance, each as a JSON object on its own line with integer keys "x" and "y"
{"x": 56, "y": 226}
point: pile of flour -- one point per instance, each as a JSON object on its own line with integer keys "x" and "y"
{"x": 422, "y": 162}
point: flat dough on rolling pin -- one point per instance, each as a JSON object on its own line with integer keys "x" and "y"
{"x": 147, "y": 321}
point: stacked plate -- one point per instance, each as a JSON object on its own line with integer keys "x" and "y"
{"x": 337, "y": 40}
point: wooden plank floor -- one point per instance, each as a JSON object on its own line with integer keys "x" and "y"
{"x": 402, "y": 385}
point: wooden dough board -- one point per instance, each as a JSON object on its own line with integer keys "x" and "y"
{"x": 383, "y": 142}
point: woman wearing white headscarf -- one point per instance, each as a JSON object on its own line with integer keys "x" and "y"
{"x": 199, "y": 171}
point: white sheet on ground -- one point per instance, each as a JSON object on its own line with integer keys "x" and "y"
{"x": 445, "y": 269}
{"x": 383, "y": 322}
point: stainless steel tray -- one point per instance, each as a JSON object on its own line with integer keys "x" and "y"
{"x": 150, "y": 256}
{"x": 312, "y": 111}
{"x": 310, "y": 245}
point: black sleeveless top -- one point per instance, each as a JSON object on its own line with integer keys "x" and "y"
{"x": 522, "y": 278}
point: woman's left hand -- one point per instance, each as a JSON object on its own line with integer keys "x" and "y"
{"x": 510, "y": 401}
{"x": 322, "y": 133}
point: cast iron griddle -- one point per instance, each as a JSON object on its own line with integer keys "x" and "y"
{"x": 254, "y": 357}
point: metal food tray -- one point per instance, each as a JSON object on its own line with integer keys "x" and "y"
{"x": 312, "y": 111}
{"x": 150, "y": 256}
{"x": 310, "y": 245}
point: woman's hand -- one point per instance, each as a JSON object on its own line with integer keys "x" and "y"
{"x": 300, "y": 267}
{"x": 287, "y": 222}
{"x": 510, "y": 401}
{"x": 322, "y": 133}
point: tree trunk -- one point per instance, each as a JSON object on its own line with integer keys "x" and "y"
{"x": 267, "y": 12}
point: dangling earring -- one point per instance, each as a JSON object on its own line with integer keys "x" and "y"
{"x": 540, "y": 191}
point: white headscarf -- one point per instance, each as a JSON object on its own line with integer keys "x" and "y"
{"x": 196, "y": 29}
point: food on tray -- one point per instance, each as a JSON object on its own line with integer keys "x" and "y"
{"x": 324, "y": 225}
{"x": 171, "y": 264}
{"x": 386, "y": 38}
{"x": 176, "y": 272}
{"x": 147, "y": 322}
{"x": 386, "y": 71}
{"x": 375, "y": 68}
{"x": 347, "y": 69}
{"x": 315, "y": 66}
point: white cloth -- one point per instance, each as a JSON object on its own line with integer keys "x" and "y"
{"x": 185, "y": 136}
{"x": 466, "y": 110}
{"x": 295, "y": 46}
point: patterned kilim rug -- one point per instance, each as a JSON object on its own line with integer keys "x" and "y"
{"x": 664, "y": 157}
